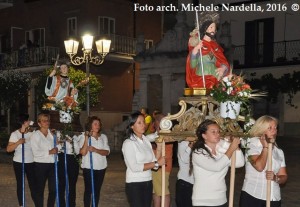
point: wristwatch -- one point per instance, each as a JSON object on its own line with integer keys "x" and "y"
{"x": 156, "y": 165}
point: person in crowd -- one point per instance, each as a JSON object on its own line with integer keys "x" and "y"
{"x": 254, "y": 189}
{"x": 71, "y": 164}
{"x": 44, "y": 149}
{"x": 60, "y": 86}
{"x": 157, "y": 175}
{"x": 148, "y": 121}
{"x": 140, "y": 160}
{"x": 100, "y": 150}
{"x": 17, "y": 139}
{"x": 210, "y": 160}
{"x": 185, "y": 179}
{"x": 214, "y": 63}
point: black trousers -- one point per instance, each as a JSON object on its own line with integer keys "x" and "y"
{"x": 98, "y": 181}
{"x": 184, "y": 191}
{"x": 72, "y": 173}
{"x": 29, "y": 172}
{"x": 139, "y": 194}
{"x": 44, "y": 172}
{"x": 247, "y": 200}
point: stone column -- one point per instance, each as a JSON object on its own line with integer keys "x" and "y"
{"x": 166, "y": 93}
{"x": 144, "y": 78}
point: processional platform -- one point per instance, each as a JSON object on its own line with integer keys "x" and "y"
{"x": 194, "y": 110}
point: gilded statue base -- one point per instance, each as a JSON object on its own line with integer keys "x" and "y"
{"x": 195, "y": 91}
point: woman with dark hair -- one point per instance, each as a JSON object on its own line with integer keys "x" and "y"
{"x": 139, "y": 159}
{"x": 44, "y": 149}
{"x": 98, "y": 146}
{"x": 17, "y": 139}
{"x": 210, "y": 160}
{"x": 255, "y": 184}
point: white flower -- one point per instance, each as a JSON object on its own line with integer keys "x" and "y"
{"x": 229, "y": 90}
{"x": 226, "y": 79}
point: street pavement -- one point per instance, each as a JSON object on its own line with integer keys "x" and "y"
{"x": 113, "y": 189}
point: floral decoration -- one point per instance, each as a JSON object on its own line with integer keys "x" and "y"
{"x": 61, "y": 106}
{"x": 231, "y": 88}
{"x": 234, "y": 88}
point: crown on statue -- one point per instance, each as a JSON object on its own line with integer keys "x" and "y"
{"x": 206, "y": 16}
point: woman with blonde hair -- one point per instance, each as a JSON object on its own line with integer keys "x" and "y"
{"x": 44, "y": 149}
{"x": 254, "y": 190}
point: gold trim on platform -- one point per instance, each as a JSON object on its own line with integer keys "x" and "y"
{"x": 195, "y": 91}
{"x": 199, "y": 91}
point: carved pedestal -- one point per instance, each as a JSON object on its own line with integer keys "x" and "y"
{"x": 194, "y": 110}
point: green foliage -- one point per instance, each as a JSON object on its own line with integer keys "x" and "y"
{"x": 76, "y": 76}
{"x": 14, "y": 86}
{"x": 287, "y": 84}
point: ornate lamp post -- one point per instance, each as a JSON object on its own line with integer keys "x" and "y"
{"x": 103, "y": 47}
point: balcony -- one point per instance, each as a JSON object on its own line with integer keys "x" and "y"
{"x": 123, "y": 45}
{"x": 6, "y": 3}
{"x": 282, "y": 53}
{"x": 28, "y": 57}
{"x": 122, "y": 49}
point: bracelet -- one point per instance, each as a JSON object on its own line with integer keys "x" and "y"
{"x": 156, "y": 165}
{"x": 265, "y": 147}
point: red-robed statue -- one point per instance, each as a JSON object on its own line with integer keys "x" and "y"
{"x": 215, "y": 64}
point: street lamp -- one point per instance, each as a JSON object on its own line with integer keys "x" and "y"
{"x": 103, "y": 47}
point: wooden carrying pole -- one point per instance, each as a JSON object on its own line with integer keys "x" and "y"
{"x": 232, "y": 179}
{"x": 163, "y": 174}
{"x": 269, "y": 168}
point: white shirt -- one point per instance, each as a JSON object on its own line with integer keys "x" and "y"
{"x": 72, "y": 147}
{"x": 183, "y": 155}
{"x": 28, "y": 155}
{"x": 255, "y": 182}
{"x": 210, "y": 188}
{"x": 99, "y": 161}
{"x": 136, "y": 153}
{"x": 41, "y": 145}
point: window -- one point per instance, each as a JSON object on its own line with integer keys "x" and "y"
{"x": 148, "y": 44}
{"x": 36, "y": 37}
{"x": 106, "y": 26}
{"x": 72, "y": 26}
{"x": 259, "y": 41}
